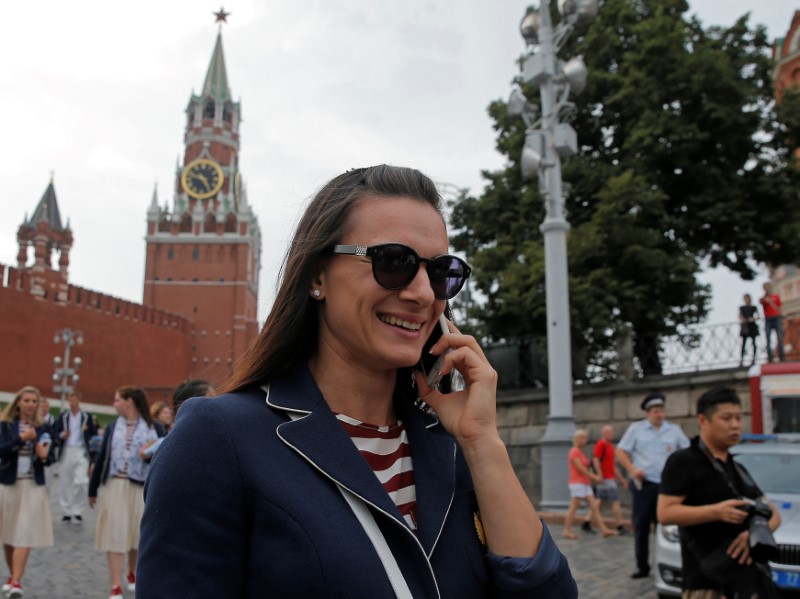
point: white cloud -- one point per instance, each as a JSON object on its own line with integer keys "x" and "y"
{"x": 96, "y": 92}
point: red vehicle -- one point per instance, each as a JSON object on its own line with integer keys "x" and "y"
{"x": 775, "y": 397}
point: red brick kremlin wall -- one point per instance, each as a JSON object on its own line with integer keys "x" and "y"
{"x": 124, "y": 343}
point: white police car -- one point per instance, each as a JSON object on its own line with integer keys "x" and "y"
{"x": 776, "y": 469}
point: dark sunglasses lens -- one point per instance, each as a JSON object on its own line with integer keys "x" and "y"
{"x": 394, "y": 266}
{"x": 447, "y": 275}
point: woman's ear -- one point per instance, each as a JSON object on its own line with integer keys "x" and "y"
{"x": 317, "y": 287}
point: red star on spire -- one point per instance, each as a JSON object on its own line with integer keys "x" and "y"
{"x": 221, "y": 16}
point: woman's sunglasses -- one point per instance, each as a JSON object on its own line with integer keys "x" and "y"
{"x": 395, "y": 265}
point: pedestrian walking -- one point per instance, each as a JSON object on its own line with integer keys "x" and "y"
{"x": 119, "y": 475}
{"x": 642, "y": 451}
{"x": 187, "y": 390}
{"x": 25, "y": 517}
{"x": 48, "y": 423}
{"x": 47, "y": 418}
{"x": 773, "y": 321}
{"x": 580, "y": 487}
{"x": 328, "y": 466}
{"x": 161, "y": 412}
{"x": 95, "y": 443}
{"x": 604, "y": 460}
{"x": 74, "y": 429}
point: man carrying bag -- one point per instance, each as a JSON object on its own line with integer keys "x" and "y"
{"x": 724, "y": 519}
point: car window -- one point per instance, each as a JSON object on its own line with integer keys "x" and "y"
{"x": 774, "y": 473}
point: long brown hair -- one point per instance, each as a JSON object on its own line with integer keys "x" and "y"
{"x": 11, "y": 411}
{"x": 139, "y": 400}
{"x": 291, "y": 329}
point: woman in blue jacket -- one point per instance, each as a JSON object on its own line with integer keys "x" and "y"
{"x": 118, "y": 476}
{"x": 25, "y": 518}
{"x": 330, "y": 467}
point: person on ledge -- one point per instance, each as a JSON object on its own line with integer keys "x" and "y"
{"x": 317, "y": 472}
{"x": 773, "y": 321}
{"x": 748, "y": 327}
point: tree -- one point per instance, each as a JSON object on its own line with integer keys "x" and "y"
{"x": 676, "y": 166}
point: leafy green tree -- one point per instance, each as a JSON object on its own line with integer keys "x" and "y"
{"x": 678, "y": 166}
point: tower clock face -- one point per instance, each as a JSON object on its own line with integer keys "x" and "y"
{"x": 202, "y": 178}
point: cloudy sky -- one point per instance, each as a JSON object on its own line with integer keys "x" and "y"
{"x": 95, "y": 91}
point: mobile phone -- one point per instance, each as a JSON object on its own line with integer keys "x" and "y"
{"x": 429, "y": 364}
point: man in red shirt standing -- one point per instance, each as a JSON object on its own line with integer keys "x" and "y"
{"x": 604, "y": 461}
{"x": 771, "y": 304}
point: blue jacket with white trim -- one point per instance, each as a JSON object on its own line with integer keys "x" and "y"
{"x": 243, "y": 501}
{"x": 10, "y": 444}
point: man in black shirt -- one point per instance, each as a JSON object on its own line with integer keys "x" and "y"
{"x": 701, "y": 491}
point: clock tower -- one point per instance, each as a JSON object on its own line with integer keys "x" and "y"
{"x": 203, "y": 251}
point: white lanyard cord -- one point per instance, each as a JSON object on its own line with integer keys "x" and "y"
{"x": 376, "y": 537}
{"x": 379, "y": 542}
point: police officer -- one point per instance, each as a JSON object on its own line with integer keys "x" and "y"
{"x": 642, "y": 452}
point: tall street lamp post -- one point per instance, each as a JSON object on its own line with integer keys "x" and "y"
{"x": 65, "y": 375}
{"x": 547, "y": 142}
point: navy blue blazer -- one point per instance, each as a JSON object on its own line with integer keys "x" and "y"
{"x": 88, "y": 428}
{"x": 241, "y": 501}
{"x": 10, "y": 444}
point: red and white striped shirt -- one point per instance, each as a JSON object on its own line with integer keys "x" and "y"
{"x": 388, "y": 453}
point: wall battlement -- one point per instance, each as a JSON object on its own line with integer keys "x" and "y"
{"x": 124, "y": 343}
{"x": 13, "y": 279}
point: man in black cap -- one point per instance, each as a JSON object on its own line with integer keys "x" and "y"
{"x": 642, "y": 451}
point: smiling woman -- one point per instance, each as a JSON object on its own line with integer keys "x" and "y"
{"x": 317, "y": 457}
{"x": 25, "y": 519}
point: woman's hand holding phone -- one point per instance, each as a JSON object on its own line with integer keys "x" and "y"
{"x": 468, "y": 414}
{"x": 510, "y": 522}
{"x": 431, "y": 364}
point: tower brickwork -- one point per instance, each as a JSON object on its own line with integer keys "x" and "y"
{"x": 45, "y": 233}
{"x": 123, "y": 342}
{"x": 785, "y": 278}
{"x": 203, "y": 251}
{"x": 786, "y": 58}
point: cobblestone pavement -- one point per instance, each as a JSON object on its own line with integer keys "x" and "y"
{"x": 602, "y": 567}
{"x": 73, "y": 569}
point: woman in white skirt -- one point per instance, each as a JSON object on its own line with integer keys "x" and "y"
{"x": 25, "y": 519}
{"x": 121, "y": 470}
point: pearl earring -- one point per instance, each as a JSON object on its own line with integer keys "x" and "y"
{"x": 317, "y": 293}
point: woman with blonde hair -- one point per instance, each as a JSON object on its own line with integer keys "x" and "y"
{"x": 580, "y": 486}
{"x": 162, "y": 413}
{"x": 25, "y": 519}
